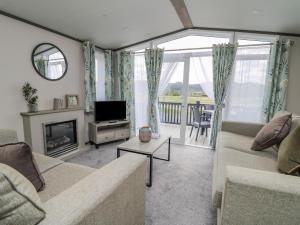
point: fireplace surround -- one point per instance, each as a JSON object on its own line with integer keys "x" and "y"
{"x": 56, "y": 133}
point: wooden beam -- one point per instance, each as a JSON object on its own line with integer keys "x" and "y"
{"x": 182, "y": 13}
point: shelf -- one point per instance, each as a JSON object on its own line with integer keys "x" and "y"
{"x": 50, "y": 111}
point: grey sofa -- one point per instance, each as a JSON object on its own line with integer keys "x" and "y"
{"x": 75, "y": 194}
{"x": 247, "y": 187}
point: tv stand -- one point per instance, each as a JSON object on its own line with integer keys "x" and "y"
{"x": 108, "y": 131}
{"x": 113, "y": 121}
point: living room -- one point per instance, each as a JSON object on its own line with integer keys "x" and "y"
{"x": 149, "y": 112}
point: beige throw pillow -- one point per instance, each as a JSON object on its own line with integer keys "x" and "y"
{"x": 272, "y": 133}
{"x": 19, "y": 201}
{"x": 289, "y": 153}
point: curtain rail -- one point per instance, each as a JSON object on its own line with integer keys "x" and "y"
{"x": 203, "y": 48}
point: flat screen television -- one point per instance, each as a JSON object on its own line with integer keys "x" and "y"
{"x": 110, "y": 110}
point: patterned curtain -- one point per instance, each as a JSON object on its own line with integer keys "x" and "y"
{"x": 153, "y": 60}
{"x": 126, "y": 69}
{"x": 277, "y": 79}
{"x": 109, "y": 80}
{"x": 223, "y": 59}
{"x": 89, "y": 75}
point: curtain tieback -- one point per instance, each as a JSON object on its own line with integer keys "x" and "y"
{"x": 219, "y": 106}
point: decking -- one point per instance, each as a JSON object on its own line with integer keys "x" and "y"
{"x": 170, "y": 120}
{"x": 174, "y": 131}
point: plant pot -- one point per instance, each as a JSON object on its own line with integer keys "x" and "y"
{"x": 33, "y": 107}
{"x": 145, "y": 134}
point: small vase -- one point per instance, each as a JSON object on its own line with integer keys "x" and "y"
{"x": 32, "y": 107}
{"x": 145, "y": 134}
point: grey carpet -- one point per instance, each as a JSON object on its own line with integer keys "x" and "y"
{"x": 181, "y": 191}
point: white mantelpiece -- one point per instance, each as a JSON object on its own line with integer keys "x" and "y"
{"x": 33, "y": 127}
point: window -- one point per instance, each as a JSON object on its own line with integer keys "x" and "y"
{"x": 100, "y": 75}
{"x": 246, "y": 91}
{"x": 55, "y": 68}
{"x": 200, "y": 71}
{"x": 140, "y": 90}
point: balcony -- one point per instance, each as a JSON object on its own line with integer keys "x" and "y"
{"x": 170, "y": 120}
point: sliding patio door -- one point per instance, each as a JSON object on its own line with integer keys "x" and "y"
{"x": 186, "y": 83}
{"x": 172, "y": 97}
{"x": 187, "y": 86}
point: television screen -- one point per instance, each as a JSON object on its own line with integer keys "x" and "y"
{"x": 110, "y": 110}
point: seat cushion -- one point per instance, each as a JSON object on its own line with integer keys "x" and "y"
{"x": 62, "y": 177}
{"x": 242, "y": 143}
{"x": 227, "y": 156}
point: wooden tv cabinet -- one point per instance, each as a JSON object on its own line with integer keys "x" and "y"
{"x": 108, "y": 131}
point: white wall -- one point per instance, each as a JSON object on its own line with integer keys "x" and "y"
{"x": 293, "y": 98}
{"x": 17, "y": 41}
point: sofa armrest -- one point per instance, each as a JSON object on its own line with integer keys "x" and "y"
{"x": 260, "y": 197}
{"x": 242, "y": 128}
{"x": 114, "y": 194}
{"x": 8, "y": 136}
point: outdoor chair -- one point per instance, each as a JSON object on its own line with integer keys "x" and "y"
{"x": 200, "y": 121}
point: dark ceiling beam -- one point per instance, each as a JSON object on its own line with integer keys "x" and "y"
{"x": 43, "y": 27}
{"x": 182, "y": 13}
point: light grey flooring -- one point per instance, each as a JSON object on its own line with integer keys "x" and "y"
{"x": 174, "y": 130}
{"x": 181, "y": 191}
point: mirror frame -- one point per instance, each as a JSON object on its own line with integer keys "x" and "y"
{"x": 36, "y": 70}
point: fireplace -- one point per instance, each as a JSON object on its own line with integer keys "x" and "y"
{"x": 60, "y": 137}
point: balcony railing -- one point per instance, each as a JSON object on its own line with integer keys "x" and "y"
{"x": 170, "y": 112}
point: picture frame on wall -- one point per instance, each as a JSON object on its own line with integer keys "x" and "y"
{"x": 72, "y": 101}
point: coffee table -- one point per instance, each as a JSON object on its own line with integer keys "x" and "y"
{"x": 134, "y": 145}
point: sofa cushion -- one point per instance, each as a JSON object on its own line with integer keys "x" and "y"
{"x": 289, "y": 153}
{"x": 242, "y": 143}
{"x": 19, "y": 156}
{"x": 227, "y": 156}
{"x": 8, "y": 136}
{"x": 46, "y": 163}
{"x": 272, "y": 133}
{"x": 62, "y": 177}
{"x": 19, "y": 201}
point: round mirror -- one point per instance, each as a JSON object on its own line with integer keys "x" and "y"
{"x": 49, "y": 61}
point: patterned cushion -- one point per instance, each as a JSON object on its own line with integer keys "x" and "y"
{"x": 19, "y": 201}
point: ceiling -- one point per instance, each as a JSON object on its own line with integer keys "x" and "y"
{"x": 117, "y": 23}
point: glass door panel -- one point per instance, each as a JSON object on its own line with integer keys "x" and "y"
{"x": 170, "y": 99}
{"x": 200, "y": 100}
